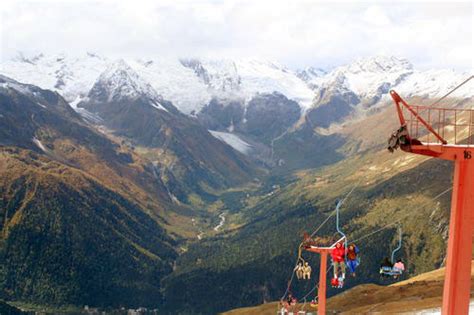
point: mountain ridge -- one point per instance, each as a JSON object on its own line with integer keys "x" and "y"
{"x": 73, "y": 77}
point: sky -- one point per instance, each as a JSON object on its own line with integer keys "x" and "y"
{"x": 295, "y": 33}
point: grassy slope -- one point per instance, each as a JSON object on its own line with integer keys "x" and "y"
{"x": 415, "y": 294}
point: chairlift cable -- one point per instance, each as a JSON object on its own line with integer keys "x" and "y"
{"x": 403, "y": 217}
{"x": 449, "y": 93}
{"x": 335, "y": 210}
{"x": 358, "y": 239}
{"x": 314, "y": 233}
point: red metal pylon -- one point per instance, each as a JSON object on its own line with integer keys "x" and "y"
{"x": 323, "y": 251}
{"x": 456, "y": 293}
{"x": 322, "y": 277}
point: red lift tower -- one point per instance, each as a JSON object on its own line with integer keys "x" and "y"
{"x": 424, "y": 130}
{"x": 323, "y": 251}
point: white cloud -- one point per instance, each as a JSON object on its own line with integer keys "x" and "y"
{"x": 376, "y": 15}
{"x": 296, "y": 33}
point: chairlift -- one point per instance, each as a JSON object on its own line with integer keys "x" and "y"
{"x": 392, "y": 270}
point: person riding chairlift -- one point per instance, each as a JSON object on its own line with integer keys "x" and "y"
{"x": 290, "y": 300}
{"x": 386, "y": 263}
{"x": 352, "y": 260}
{"x": 306, "y": 271}
{"x": 386, "y": 266}
{"x": 287, "y": 304}
{"x": 299, "y": 270}
{"x": 338, "y": 254}
{"x": 399, "y": 268}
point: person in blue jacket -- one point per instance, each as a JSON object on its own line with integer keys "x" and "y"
{"x": 352, "y": 258}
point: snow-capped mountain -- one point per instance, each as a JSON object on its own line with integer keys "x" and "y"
{"x": 194, "y": 85}
{"x": 119, "y": 81}
{"x": 28, "y": 90}
{"x": 189, "y": 83}
{"x": 72, "y": 77}
{"x": 435, "y": 83}
{"x": 368, "y": 78}
{"x": 43, "y": 99}
{"x": 310, "y": 74}
{"x": 128, "y": 106}
{"x": 354, "y": 90}
{"x": 371, "y": 78}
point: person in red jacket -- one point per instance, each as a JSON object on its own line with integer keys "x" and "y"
{"x": 338, "y": 259}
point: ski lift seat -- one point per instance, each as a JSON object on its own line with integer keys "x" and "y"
{"x": 389, "y": 271}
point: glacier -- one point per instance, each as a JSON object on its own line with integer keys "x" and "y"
{"x": 232, "y": 140}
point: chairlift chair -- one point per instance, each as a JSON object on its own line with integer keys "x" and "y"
{"x": 390, "y": 271}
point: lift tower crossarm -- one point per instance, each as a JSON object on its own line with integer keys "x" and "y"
{"x": 398, "y": 100}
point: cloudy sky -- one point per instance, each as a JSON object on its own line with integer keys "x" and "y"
{"x": 295, "y": 33}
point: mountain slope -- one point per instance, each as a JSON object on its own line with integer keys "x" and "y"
{"x": 80, "y": 242}
{"x": 130, "y": 108}
{"x": 42, "y": 121}
{"x": 262, "y": 119}
{"x": 82, "y": 219}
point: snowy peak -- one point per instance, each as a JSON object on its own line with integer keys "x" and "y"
{"x": 219, "y": 75}
{"x": 72, "y": 77}
{"x": 119, "y": 81}
{"x": 198, "y": 69}
{"x": 35, "y": 94}
{"x": 190, "y": 84}
{"x": 372, "y": 78}
{"x": 245, "y": 78}
{"x": 352, "y": 91}
{"x": 310, "y": 73}
{"x": 33, "y": 59}
{"x": 378, "y": 64}
{"x": 7, "y": 83}
{"x": 435, "y": 83}
{"x": 4, "y": 80}
{"x": 266, "y": 77}
{"x": 368, "y": 78}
